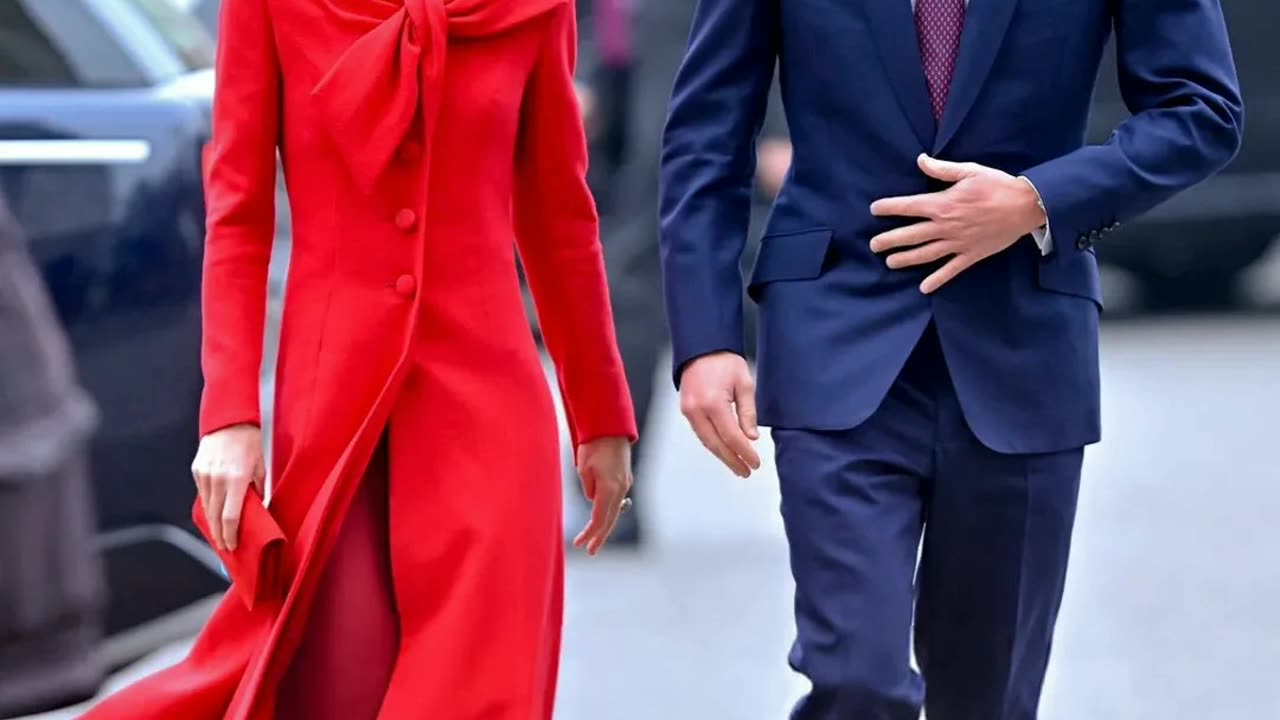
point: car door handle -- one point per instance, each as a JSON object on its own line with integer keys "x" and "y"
{"x": 74, "y": 152}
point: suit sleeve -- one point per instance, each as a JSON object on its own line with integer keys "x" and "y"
{"x": 708, "y": 166}
{"x": 1178, "y": 79}
{"x": 240, "y": 176}
{"x": 557, "y": 233}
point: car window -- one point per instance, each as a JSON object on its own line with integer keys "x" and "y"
{"x": 184, "y": 34}
{"x": 164, "y": 40}
{"x": 60, "y": 44}
{"x": 205, "y": 11}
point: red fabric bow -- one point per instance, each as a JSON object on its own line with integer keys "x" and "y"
{"x": 370, "y": 96}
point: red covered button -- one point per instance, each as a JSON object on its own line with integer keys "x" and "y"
{"x": 406, "y": 218}
{"x": 405, "y": 285}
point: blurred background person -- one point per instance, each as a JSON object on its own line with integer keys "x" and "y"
{"x": 657, "y": 30}
{"x": 51, "y": 589}
{"x": 606, "y": 59}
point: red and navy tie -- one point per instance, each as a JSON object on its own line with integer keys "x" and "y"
{"x": 938, "y": 27}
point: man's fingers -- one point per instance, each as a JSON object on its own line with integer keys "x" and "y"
{"x": 927, "y": 253}
{"x": 944, "y": 169}
{"x": 946, "y": 273}
{"x": 726, "y": 425}
{"x": 906, "y": 236}
{"x": 925, "y": 205}
{"x": 921, "y": 206}
{"x": 711, "y": 440}
{"x": 232, "y": 508}
{"x": 744, "y": 402}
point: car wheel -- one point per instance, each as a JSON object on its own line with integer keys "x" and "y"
{"x": 1183, "y": 271}
{"x": 1218, "y": 288}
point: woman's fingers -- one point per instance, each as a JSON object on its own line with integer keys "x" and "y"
{"x": 604, "y": 464}
{"x": 587, "y": 538}
{"x": 606, "y": 507}
{"x": 227, "y": 462}
{"x": 604, "y": 514}
{"x": 260, "y": 477}
{"x": 213, "y": 502}
{"x": 232, "y": 506}
{"x": 202, "y": 483}
{"x": 588, "y": 484}
{"x": 612, "y": 508}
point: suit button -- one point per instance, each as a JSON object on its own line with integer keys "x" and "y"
{"x": 405, "y": 219}
{"x": 1083, "y": 243}
{"x": 406, "y": 285}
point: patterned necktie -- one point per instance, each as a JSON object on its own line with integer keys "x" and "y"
{"x": 938, "y": 27}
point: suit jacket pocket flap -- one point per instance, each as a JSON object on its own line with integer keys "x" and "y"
{"x": 790, "y": 256}
{"x": 1075, "y": 275}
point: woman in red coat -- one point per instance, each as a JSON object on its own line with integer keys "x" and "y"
{"x": 416, "y": 460}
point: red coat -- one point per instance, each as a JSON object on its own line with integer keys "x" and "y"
{"x": 420, "y": 138}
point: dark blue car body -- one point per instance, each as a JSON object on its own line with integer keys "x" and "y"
{"x": 104, "y": 110}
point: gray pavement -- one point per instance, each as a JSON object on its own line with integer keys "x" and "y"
{"x": 1170, "y": 612}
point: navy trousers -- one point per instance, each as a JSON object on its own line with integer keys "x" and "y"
{"x": 982, "y": 593}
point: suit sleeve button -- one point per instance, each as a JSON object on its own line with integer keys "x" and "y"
{"x": 405, "y": 219}
{"x": 406, "y": 285}
{"x": 1083, "y": 242}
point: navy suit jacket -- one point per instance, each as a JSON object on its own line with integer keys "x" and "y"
{"x": 1019, "y": 332}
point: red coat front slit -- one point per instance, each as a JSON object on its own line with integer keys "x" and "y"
{"x": 422, "y": 141}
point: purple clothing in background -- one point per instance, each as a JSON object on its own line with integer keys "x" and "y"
{"x": 613, "y": 30}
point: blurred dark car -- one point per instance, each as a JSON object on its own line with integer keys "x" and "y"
{"x": 104, "y": 109}
{"x": 1193, "y": 249}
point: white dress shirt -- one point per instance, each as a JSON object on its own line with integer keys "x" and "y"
{"x": 1043, "y": 236}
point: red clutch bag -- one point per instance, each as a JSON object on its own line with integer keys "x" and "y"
{"x": 255, "y": 566}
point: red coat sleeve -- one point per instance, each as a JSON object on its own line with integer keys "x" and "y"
{"x": 558, "y": 236}
{"x": 240, "y": 176}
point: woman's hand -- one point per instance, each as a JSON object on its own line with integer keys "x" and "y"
{"x": 226, "y": 463}
{"x": 605, "y": 468}
{"x": 588, "y": 107}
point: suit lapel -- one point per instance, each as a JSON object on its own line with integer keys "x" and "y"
{"x": 894, "y": 28}
{"x": 986, "y": 23}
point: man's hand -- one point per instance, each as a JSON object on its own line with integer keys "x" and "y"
{"x": 717, "y": 395}
{"x": 227, "y": 462}
{"x": 605, "y": 468}
{"x": 773, "y": 160}
{"x": 984, "y": 212}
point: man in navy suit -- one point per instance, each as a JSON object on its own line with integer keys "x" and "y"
{"x": 928, "y": 306}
